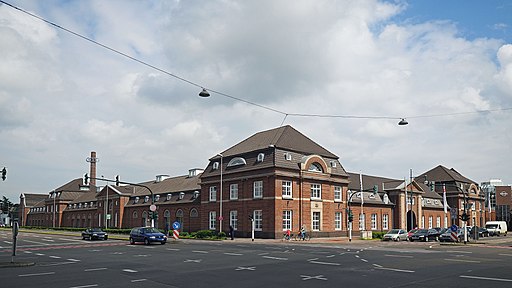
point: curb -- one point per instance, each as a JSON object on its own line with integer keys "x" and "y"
{"x": 16, "y": 264}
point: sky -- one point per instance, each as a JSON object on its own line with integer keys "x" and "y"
{"x": 434, "y": 63}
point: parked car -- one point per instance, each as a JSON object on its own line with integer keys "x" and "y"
{"x": 147, "y": 235}
{"x": 395, "y": 235}
{"x": 412, "y": 231}
{"x": 483, "y": 232}
{"x": 94, "y": 233}
{"x": 496, "y": 228}
{"x": 424, "y": 235}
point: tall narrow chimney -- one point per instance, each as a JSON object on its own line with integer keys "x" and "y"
{"x": 93, "y": 161}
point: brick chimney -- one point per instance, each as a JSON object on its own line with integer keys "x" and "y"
{"x": 92, "y": 172}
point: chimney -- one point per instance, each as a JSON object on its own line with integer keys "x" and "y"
{"x": 93, "y": 161}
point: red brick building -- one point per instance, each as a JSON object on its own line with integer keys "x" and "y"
{"x": 504, "y": 204}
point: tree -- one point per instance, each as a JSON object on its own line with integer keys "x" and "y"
{"x": 5, "y": 204}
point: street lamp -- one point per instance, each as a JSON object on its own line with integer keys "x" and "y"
{"x": 349, "y": 213}
{"x": 220, "y": 213}
{"x": 54, "y": 195}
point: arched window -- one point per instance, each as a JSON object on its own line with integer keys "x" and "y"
{"x": 194, "y": 213}
{"x": 144, "y": 218}
{"x": 237, "y": 161}
{"x": 315, "y": 167}
{"x": 135, "y": 214}
{"x": 179, "y": 213}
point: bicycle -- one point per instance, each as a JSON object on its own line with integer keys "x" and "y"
{"x": 287, "y": 237}
{"x": 299, "y": 237}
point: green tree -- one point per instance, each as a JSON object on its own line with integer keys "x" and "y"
{"x": 5, "y": 204}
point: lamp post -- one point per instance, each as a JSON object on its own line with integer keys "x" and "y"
{"x": 349, "y": 213}
{"x": 220, "y": 194}
{"x": 106, "y": 204}
{"x": 53, "y": 196}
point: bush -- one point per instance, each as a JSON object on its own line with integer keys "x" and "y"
{"x": 378, "y": 235}
{"x": 205, "y": 234}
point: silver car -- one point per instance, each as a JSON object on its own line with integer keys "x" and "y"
{"x": 395, "y": 235}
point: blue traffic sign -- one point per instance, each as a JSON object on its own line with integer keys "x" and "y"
{"x": 454, "y": 228}
{"x": 176, "y": 225}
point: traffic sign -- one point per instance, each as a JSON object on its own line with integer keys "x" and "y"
{"x": 152, "y": 207}
{"x": 454, "y": 228}
{"x": 176, "y": 225}
{"x": 221, "y": 218}
{"x": 176, "y": 234}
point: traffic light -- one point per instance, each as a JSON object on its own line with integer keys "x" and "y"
{"x": 86, "y": 179}
{"x": 155, "y": 215}
{"x": 350, "y": 216}
{"x": 117, "y": 180}
{"x": 464, "y": 217}
{"x": 4, "y": 174}
{"x": 150, "y": 214}
{"x": 375, "y": 189}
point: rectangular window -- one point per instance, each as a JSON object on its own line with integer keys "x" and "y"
{"x": 315, "y": 225}
{"x": 258, "y": 220}
{"x": 287, "y": 189}
{"x": 385, "y": 221}
{"x": 361, "y": 222}
{"x": 374, "y": 221}
{"x": 258, "y": 189}
{"x": 233, "y": 219}
{"x": 287, "y": 220}
{"x": 409, "y": 200}
{"x": 213, "y": 194}
{"x": 438, "y": 221}
{"x": 337, "y": 220}
{"x": 422, "y": 222}
{"x": 233, "y": 191}
{"x": 337, "y": 194}
{"x": 316, "y": 191}
{"x": 212, "y": 220}
{"x": 430, "y": 220}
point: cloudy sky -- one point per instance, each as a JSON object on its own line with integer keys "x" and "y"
{"x": 435, "y": 63}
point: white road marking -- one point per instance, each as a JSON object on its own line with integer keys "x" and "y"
{"x": 39, "y": 254}
{"x": 463, "y": 252}
{"x": 486, "y": 278}
{"x": 141, "y": 255}
{"x": 396, "y": 270}
{"x": 85, "y": 286}
{"x": 325, "y": 263}
{"x": 36, "y": 274}
{"x": 364, "y": 260}
{"x": 172, "y": 249}
{"x": 399, "y": 256}
{"x": 275, "y": 258}
{"x": 330, "y": 256}
{"x": 198, "y": 251}
{"x": 505, "y": 254}
{"x": 54, "y": 257}
{"x": 191, "y": 260}
{"x": 377, "y": 265}
{"x": 233, "y": 254}
{"x": 318, "y": 277}
{"x": 461, "y": 260}
{"x": 73, "y": 260}
{"x": 94, "y": 269}
{"x": 245, "y": 268}
{"x": 130, "y": 270}
{"x": 138, "y": 280}
{"x": 27, "y": 252}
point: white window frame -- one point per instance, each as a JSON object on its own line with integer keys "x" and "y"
{"x": 362, "y": 222}
{"x": 212, "y": 196}
{"x": 258, "y": 220}
{"x": 212, "y": 220}
{"x": 257, "y": 190}
{"x": 423, "y": 222}
{"x": 233, "y": 191}
{"x": 338, "y": 193}
{"x": 316, "y": 221}
{"x": 385, "y": 222}
{"x": 233, "y": 219}
{"x": 287, "y": 189}
{"x": 374, "y": 221}
{"x": 287, "y": 220}
{"x": 438, "y": 221}
{"x": 338, "y": 217}
{"x": 316, "y": 191}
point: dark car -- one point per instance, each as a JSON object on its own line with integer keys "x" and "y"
{"x": 424, "y": 235}
{"x": 94, "y": 233}
{"x": 483, "y": 232}
{"x": 446, "y": 236}
{"x": 147, "y": 235}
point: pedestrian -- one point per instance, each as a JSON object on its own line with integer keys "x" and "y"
{"x": 167, "y": 229}
{"x": 232, "y": 232}
{"x": 303, "y": 232}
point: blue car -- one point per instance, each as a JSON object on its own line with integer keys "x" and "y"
{"x": 147, "y": 235}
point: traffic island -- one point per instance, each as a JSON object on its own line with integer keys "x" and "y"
{"x": 16, "y": 264}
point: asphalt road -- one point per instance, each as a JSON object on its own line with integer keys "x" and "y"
{"x": 67, "y": 261}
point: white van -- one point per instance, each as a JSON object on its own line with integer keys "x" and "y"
{"x": 496, "y": 228}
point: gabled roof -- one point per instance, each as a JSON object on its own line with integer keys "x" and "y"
{"x": 169, "y": 185}
{"x": 369, "y": 181}
{"x": 285, "y": 137}
{"x": 32, "y": 200}
{"x": 74, "y": 185}
{"x": 443, "y": 174}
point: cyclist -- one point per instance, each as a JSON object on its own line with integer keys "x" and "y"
{"x": 287, "y": 235}
{"x": 303, "y": 233}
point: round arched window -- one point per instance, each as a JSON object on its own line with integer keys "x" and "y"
{"x": 315, "y": 167}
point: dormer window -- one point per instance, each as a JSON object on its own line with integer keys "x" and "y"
{"x": 196, "y": 194}
{"x": 215, "y": 165}
{"x": 333, "y": 163}
{"x": 136, "y": 200}
{"x": 169, "y": 196}
{"x": 182, "y": 194}
{"x": 237, "y": 161}
{"x": 260, "y": 158}
{"x": 288, "y": 156}
{"x": 146, "y": 199}
{"x": 85, "y": 205}
{"x": 157, "y": 197}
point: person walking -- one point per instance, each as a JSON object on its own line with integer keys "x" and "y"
{"x": 232, "y": 232}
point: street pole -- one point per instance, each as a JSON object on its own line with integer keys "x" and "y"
{"x": 362, "y": 218}
{"x": 220, "y": 214}
{"x": 54, "y": 195}
{"x": 410, "y": 181}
